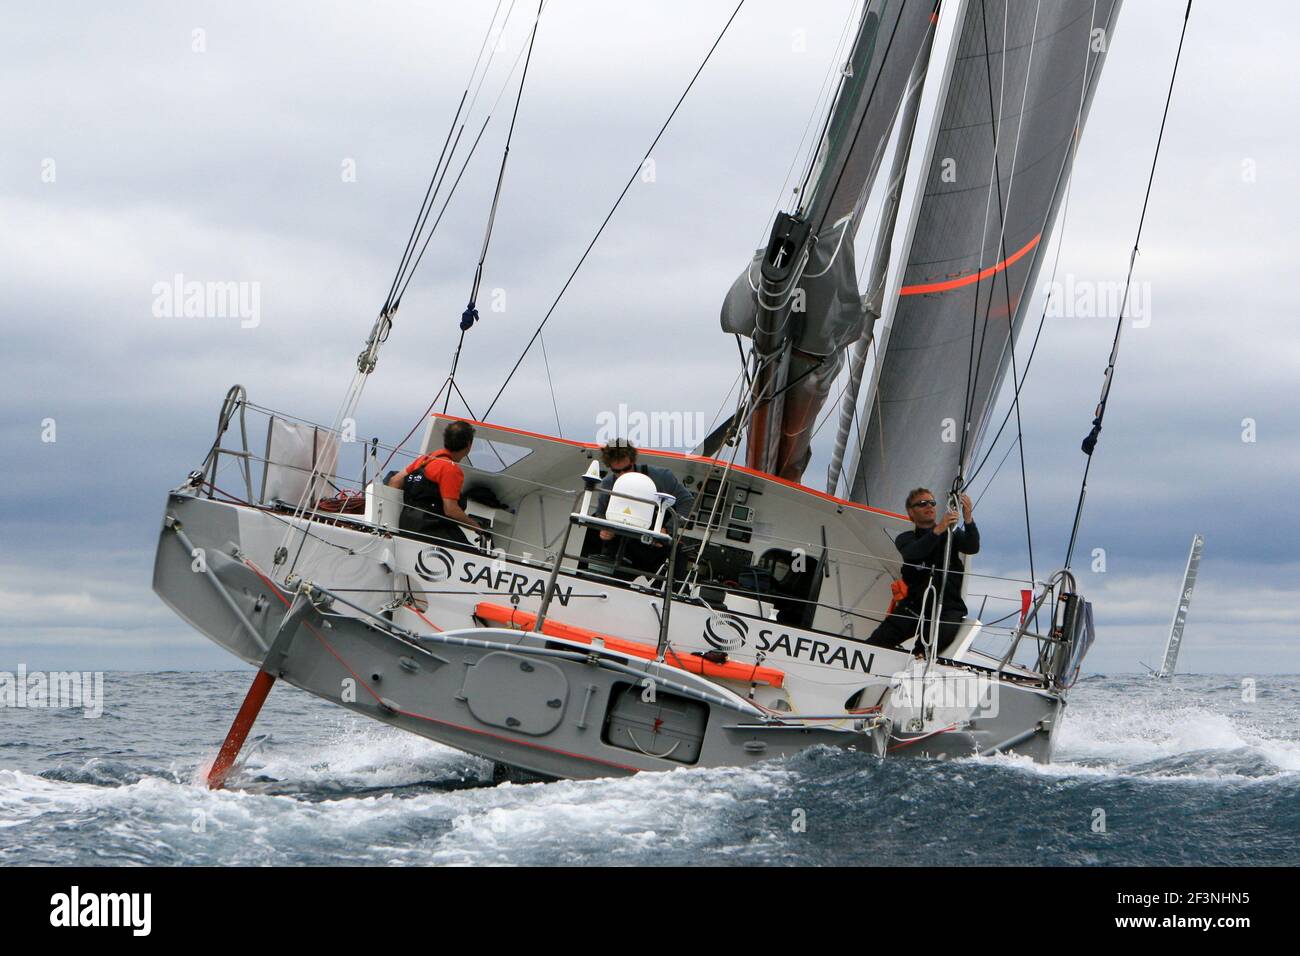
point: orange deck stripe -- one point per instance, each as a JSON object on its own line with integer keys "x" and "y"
{"x": 731, "y": 670}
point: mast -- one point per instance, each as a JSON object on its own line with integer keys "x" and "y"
{"x": 1180, "y": 609}
{"x": 798, "y": 299}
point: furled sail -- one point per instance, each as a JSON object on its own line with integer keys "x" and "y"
{"x": 798, "y": 299}
{"x": 1021, "y": 84}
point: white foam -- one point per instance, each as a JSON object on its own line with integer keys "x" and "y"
{"x": 1120, "y": 733}
{"x": 565, "y": 821}
{"x": 648, "y": 812}
{"x": 365, "y": 755}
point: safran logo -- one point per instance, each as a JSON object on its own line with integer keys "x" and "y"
{"x": 725, "y": 632}
{"x": 434, "y": 564}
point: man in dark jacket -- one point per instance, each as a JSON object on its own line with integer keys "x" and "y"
{"x": 923, "y": 550}
{"x": 619, "y": 458}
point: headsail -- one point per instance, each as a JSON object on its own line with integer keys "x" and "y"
{"x": 798, "y": 299}
{"x": 1019, "y": 93}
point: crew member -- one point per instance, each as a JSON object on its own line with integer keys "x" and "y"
{"x": 923, "y": 549}
{"x": 431, "y": 488}
{"x": 619, "y": 458}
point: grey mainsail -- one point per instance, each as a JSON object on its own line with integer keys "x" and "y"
{"x": 1021, "y": 85}
{"x": 798, "y": 299}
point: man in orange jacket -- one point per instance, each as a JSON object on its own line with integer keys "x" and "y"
{"x": 431, "y": 488}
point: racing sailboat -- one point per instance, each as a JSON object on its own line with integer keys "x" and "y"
{"x": 522, "y": 643}
{"x": 1174, "y": 642}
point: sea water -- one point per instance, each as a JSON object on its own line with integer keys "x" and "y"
{"x": 1199, "y": 770}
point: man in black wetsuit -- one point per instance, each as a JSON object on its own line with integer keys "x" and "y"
{"x": 923, "y": 549}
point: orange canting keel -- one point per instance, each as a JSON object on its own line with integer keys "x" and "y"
{"x": 244, "y": 720}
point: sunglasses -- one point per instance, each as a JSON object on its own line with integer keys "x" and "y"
{"x": 927, "y": 503}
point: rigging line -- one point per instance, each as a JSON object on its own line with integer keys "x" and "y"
{"x": 348, "y": 405}
{"x": 420, "y": 215}
{"x": 901, "y": 142}
{"x": 692, "y": 573}
{"x": 1024, "y": 478}
{"x": 464, "y": 166}
{"x": 419, "y": 421}
{"x": 430, "y": 195}
{"x": 744, "y": 361}
{"x": 1037, "y": 333}
{"x": 745, "y": 379}
{"x": 1015, "y": 375}
{"x": 505, "y": 84}
{"x": 815, "y": 150}
{"x": 846, "y": 75}
{"x": 1090, "y": 443}
{"x": 464, "y": 401}
{"x": 450, "y": 193}
{"x": 725, "y": 399}
{"x": 761, "y": 401}
{"x": 1006, "y": 287}
{"x": 407, "y": 267}
{"x": 834, "y": 409}
{"x": 995, "y": 175}
{"x": 972, "y": 368}
{"x": 559, "y": 430}
{"x": 989, "y": 483}
{"x": 738, "y": 420}
{"x": 617, "y": 203}
{"x": 826, "y": 85}
{"x": 974, "y": 362}
{"x": 451, "y": 377}
{"x": 858, "y": 132}
{"x": 495, "y": 47}
{"x": 1067, "y": 164}
{"x": 1067, "y": 171}
{"x": 501, "y": 175}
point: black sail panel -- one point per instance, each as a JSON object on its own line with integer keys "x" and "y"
{"x": 1021, "y": 84}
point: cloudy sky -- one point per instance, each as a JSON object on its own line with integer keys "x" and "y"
{"x": 215, "y": 142}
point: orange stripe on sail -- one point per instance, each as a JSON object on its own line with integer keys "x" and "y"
{"x": 974, "y": 277}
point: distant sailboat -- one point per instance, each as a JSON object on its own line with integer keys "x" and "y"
{"x": 1175, "y": 641}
